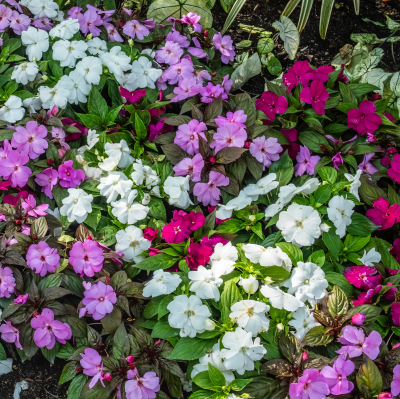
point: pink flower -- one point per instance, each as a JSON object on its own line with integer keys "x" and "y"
{"x": 389, "y": 116}
{"x": 86, "y": 258}
{"x": 225, "y": 46}
{"x": 74, "y": 136}
{"x": 335, "y": 376}
{"x": 213, "y": 241}
{"x": 385, "y": 395}
{"x": 337, "y": 160}
{"x": 21, "y": 298}
{"x": 49, "y": 330}
{"x": 367, "y": 297}
{"x": 47, "y": 180}
{"x": 198, "y": 255}
{"x": 395, "y": 250}
{"x": 237, "y": 118}
{"x": 395, "y": 312}
{"x": 12, "y": 168}
{"x": 99, "y": 300}
{"x": 227, "y": 85}
{"x": 141, "y": 387}
{"x": 10, "y": 199}
{"x": 395, "y": 385}
{"x": 186, "y": 88}
{"x": 384, "y": 215}
{"x": 316, "y": 95}
{"x": 69, "y": 177}
{"x": 42, "y": 259}
{"x": 4, "y": 185}
{"x": 292, "y": 77}
{"x": 230, "y": 135}
{"x": 178, "y": 38}
{"x": 170, "y": 53}
{"x": 357, "y": 344}
{"x": 293, "y": 148}
{"x": 363, "y": 120}
{"x": 271, "y": 104}
{"x": 336, "y": 141}
{"x": 74, "y": 12}
{"x": 149, "y": 233}
{"x": 176, "y": 232}
{"x": 9, "y": 333}
{"x": 371, "y": 137}
{"x": 187, "y": 136}
{"x": 211, "y": 92}
{"x": 209, "y": 193}
{"x": 320, "y": 74}
{"x": 30, "y": 206}
{"x": 7, "y": 282}
{"x": 265, "y": 150}
{"x": 179, "y": 71}
{"x": 366, "y": 166}
{"x": 364, "y": 277}
{"x": 190, "y": 166}
{"x": 132, "y": 96}
{"x": 358, "y": 319}
{"x": 92, "y": 366}
{"x": 43, "y": 23}
{"x": 113, "y": 34}
{"x": 5, "y": 15}
{"x": 201, "y": 75}
{"x": 19, "y": 22}
{"x": 135, "y": 29}
{"x": 311, "y": 385}
{"x": 341, "y": 77}
{"x": 305, "y": 162}
{"x": 394, "y": 170}
{"x": 89, "y": 21}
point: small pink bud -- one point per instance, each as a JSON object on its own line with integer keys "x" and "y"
{"x": 34, "y": 236}
{"x": 323, "y": 149}
{"x": 206, "y": 33}
{"x": 107, "y": 377}
{"x": 132, "y": 366}
{"x": 214, "y": 74}
{"x": 78, "y": 369}
{"x": 305, "y": 355}
{"x": 247, "y": 144}
{"x": 385, "y": 161}
{"x": 358, "y": 319}
{"x": 18, "y": 222}
{"x": 61, "y": 152}
{"x": 350, "y": 152}
{"x": 385, "y": 395}
{"x": 396, "y": 346}
{"x": 212, "y": 159}
{"x": 108, "y": 281}
{"x": 130, "y": 359}
{"x": 50, "y": 161}
{"x": 36, "y": 314}
{"x": 392, "y": 150}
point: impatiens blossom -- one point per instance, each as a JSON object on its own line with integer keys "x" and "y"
{"x": 211, "y": 92}
{"x": 99, "y": 299}
{"x": 21, "y": 298}
{"x": 364, "y": 277}
{"x": 131, "y": 243}
{"x": 115, "y": 184}
{"x": 235, "y": 204}
{"x": 65, "y": 29}
{"x": 225, "y": 45}
{"x": 356, "y": 343}
{"x": 395, "y": 385}
{"x": 37, "y": 42}
{"x": 366, "y": 166}
{"x": 197, "y": 255}
{"x": 145, "y": 387}
{"x": 250, "y": 284}
{"x": 69, "y": 177}
{"x": 143, "y": 75}
{"x": 271, "y": 104}
{"x": 339, "y": 212}
{"x": 29, "y": 204}
{"x": 68, "y": 52}
{"x": 223, "y": 258}
{"x": 364, "y": 120}
{"x": 77, "y": 205}
{"x": 237, "y": 118}
{"x": 395, "y": 312}
{"x": 187, "y": 87}
{"x": 209, "y": 193}
{"x": 48, "y": 330}
{"x": 355, "y": 183}
{"x": 394, "y": 170}
{"x": 205, "y": 283}
{"x": 86, "y": 258}
{"x": 7, "y": 282}
{"x": 316, "y": 95}
{"x": 311, "y": 385}
{"x": 292, "y": 77}
{"x": 92, "y": 366}
{"x": 280, "y": 299}
{"x": 26, "y": 72}
{"x": 303, "y": 321}
{"x": 229, "y": 136}
{"x": 162, "y": 283}
{"x": 177, "y": 189}
{"x": 368, "y": 259}
{"x": 129, "y": 211}
{"x": 42, "y": 259}
{"x": 191, "y": 19}
{"x": 190, "y": 167}
{"x": 47, "y": 180}
{"x": 12, "y": 110}
{"x": 262, "y": 187}
{"x": 134, "y": 29}
{"x": 384, "y": 215}
{"x": 187, "y": 136}
{"x": 265, "y": 150}
{"x": 305, "y": 162}
{"x": 9, "y": 333}
{"x": 170, "y": 53}
{"x": 267, "y": 256}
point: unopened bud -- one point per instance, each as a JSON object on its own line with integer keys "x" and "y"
{"x": 107, "y": 377}
{"x": 280, "y": 327}
{"x": 130, "y": 359}
{"x": 50, "y": 161}
{"x": 350, "y": 152}
{"x": 332, "y": 332}
{"x": 358, "y": 319}
{"x": 132, "y": 366}
{"x": 108, "y": 281}
{"x": 268, "y": 280}
{"x": 34, "y": 236}
{"x": 214, "y": 74}
{"x": 323, "y": 149}
{"x": 385, "y": 395}
{"x": 45, "y": 77}
{"x": 130, "y": 42}
{"x": 88, "y": 37}
{"x": 36, "y": 314}
{"x": 212, "y": 159}
{"x": 247, "y": 144}
{"x": 18, "y": 222}
{"x": 305, "y": 355}
{"x": 78, "y": 369}
{"x": 206, "y": 33}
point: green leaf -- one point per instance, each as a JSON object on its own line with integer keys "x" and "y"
{"x": 317, "y": 337}
{"x": 156, "y": 262}
{"x": 306, "y": 6}
{"x": 68, "y": 373}
{"x": 239, "y": 384}
{"x": 109, "y": 5}
{"x": 251, "y": 67}
{"x": 151, "y": 308}
{"x": 289, "y": 34}
{"x": 3, "y": 355}
{"x": 157, "y": 209}
{"x": 265, "y": 45}
{"x": 76, "y": 386}
{"x": 369, "y": 380}
{"x": 262, "y": 387}
{"x": 337, "y": 302}
{"x": 201, "y": 394}
{"x": 388, "y": 260}
{"x": 361, "y": 225}
{"x": 332, "y": 241}
{"x": 283, "y": 169}
{"x": 323, "y": 193}
{"x": 292, "y": 251}
{"x": 203, "y": 380}
{"x": 163, "y": 330}
{"x": 232, "y": 14}
{"x": 121, "y": 344}
{"x": 341, "y": 281}
{"x": 50, "y": 354}
{"x": 191, "y": 348}
{"x": 274, "y": 66}
{"x": 277, "y": 273}
{"x": 93, "y": 218}
{"x": 313, "y": 140}
{"x": 230, "y": 295}
{"x": 355, "y": 243}
{"x": 140, "y": 128}
{"x": 371, "y": 312}
{"x": 97, "y": 105}
{"x": 216, "y": 377}
{"x": 91, "y": 121}
{"x": 52, "y": 153}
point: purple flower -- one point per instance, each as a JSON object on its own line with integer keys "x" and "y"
{"x": 43, "y": 23}
{"x": 30, "y": 140}
{"x": 5, "y": 15}
{"x": 92, "y": 366}
{"x": 227, "y": 83}
{"x": 237, "y": 118}
{"x": 357, "y": 343}
{"x": 211, "y": 92}
{"x": 19, "y": 22}
{"x": 366, "y": 166}
{"x": 271, "y": 104}
{"x": 335, "y": 376}
{"x": 7, "y": 282}
{"x": 363, "y": 120}
{"x": 209, "y": 193}
{"x": 265, "y": 150}
{"x": 337, "y": 160}
{"x": 197, "y": 52}
{"x": 395, "y": 385}
{"x": 179, "y": 71}
{"x": 336, "y": 141}
{"x": 138, "y": 387}
{"x": 316, "y": 95}
{"x": 177, "y": 38}
{"x": 201, "y": 75}
{"x": 89, "y": 21}
{"x": 358, "y": 319}
{"x": 186, "y": 88}
{"x": 169, "y": 54}
{"x": 47, "y": 179}
{"x": 187, "y": 136}
{"x": 86, "y": 258}
{"x": 12, "y": 168}
{"x": 21, "y": 298}
{"x": 69, "y": 177}
{"x": 74, "y": 12}
{"x": 31, "y": 209}
{"x": 190, "y": 166}
{"x": 292, "y": 77}
{"x": 98, "y": 301}
{"x": 225, "y": 46}
{"x": 230, "y": 135}
{"x": 10, "y": 334}
{"x": 305, "y": 162}
{"x": 191, "y": 19}
{"x": 49, "y": 330}
{"x": 42, "y": 259}
{"x": 134, "y": 29}
{"x": 113, "y": 34}
{"x": 311, "y": 385}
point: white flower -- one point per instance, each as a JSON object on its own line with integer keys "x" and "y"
{"x": 339, "y": 212}
{"x": 177, "y": 189}
{"x": 65, "y": 30}
{"x": 77, "y": 205}
{"x": 97, "y": 46}
{"x": 250, "y": 315}
{"x": 143, "y": 173}
{"x": 238, "y": 203}
{"x": 12, "y": 110}
{"x": 156, "y": 191}
{"x": 267, "y": 256}
{"x": 37, "y": 41}
{"x": 116, "y": 183}
{"x": 109, "y": 164}
{"x": 273, "y": 209}
{"x": 368, "y": 259}
{"x": 68, "y": 52}
{"x": 93, "y": 173}
{"x": 355, "y": 183}
{"x": 25, "y": 72}
{"x": 146, "y": 199}
{"x": 43, "y": 8}
{"x": 205, "y": 284}
{"x": 143, "y": 75}
{"x": 307, "y": 282}
{"x": 262, "y": 187}
{"x": 121, "y": 152}
{"x": 300, "y": 225}
{"x": 57, "y": 95}
{"x": 162, "y": 283}
{"x": 250, "y": 284}
{"x": 223, "y": 259}
{"x": 241, "y": 352}
{"x": 92, "y": 138}
{"x": 190, "y": 315}
{"x": 132, "y": 243}
{"x": 77, "y": 87}
{"x": 128, "y": 211}
{"x": 33, "y": 104}
{"x": 279, "y": 299}
{"x": 303, "y": 321}
{"x": 148, "y": 51}
{"x": 215, "y": 359}
{"x": 116, "y": 61}
{"x": 91, "y": 69}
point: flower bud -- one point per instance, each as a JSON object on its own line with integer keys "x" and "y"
{"x": 88, "y": 37}
{"x": 350, "y": 152}
{"x": 268, "y": 280}
{"x": 132, "y": 366}
{"x": 304, "y": 356}
{"x": 206, "y": 33}
{"x": 130, "y": 359}
{"x": 385, "y": 395}
{"x": 50, "y": 161}
{"x": 247, "y": 144}
{"x": 107, "y": 377}
{"x": 214, "y": 74}
{"x": 358, "y": 319}
{"x": 108, "y": 281}
{"x": 36, "y": 314}
{"x": 323, "y": 149}
{"x": 250, "y": 285}
{"x": 212, "y": 159}
{"x": 396, "y": 346}
{"x": 78, "y": 369}
{"x": 18, "y": 222}
{"x": 130, "y": 42}
{"x": 34, "y": 236}
{"x": 280, "y": 327}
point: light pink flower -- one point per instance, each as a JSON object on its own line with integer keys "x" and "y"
{"x": 187, "y": 136}
{"x": 209, "y": 193}
{"x": 225, "y": 46}
{"x": 92, "y": 366}
{"x": 211, "y": 92}
{"x": 191, "y": 19}
{"x": 47, "y": 180}
{"x": 12, "y": 168}
{"x": 42, "y": 259}
{"x": 170, "y": 53}
{"x": 363, "y": 120}
{"x": 43, "y": 23}
{"x": 177, "y": 38}
{"x": 9, "y": 333}
{"x": 335, "y": 376}
{"x": 366, "y": 166}
{"x": 89, "y": 21}
{"x": 7, "y": 282}
{"x": 305, "y": 162}
{"x": 86, "y": 258}
{"x": 237, "y": 118}
{"x": 31, "y": 209}
{"x": 265, "y": 150}
{"x": 135, "y": 29}
{"x": 190, "y": 166}
{"x": 141, "y": 387}
{"x": 395, "y": 385}
{"x": 230, "y": 135}
{"x": 5, "y": 15}
{"x": 187, "y": 87}
{"x": 98, "y": 301}
{"x": 19, "y": 22}
{"x": 21, "y": 298}
{"x": 179, "y": 71}
{"x": 316, "y": 95}
{"x": 311, "y": 385}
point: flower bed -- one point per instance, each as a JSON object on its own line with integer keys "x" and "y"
{"x": 168, "y": 235}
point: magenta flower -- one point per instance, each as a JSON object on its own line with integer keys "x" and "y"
{"x": 12, "y": 168}
{"x": 190, "y": 166}
{"x": 92, "y": 366}
{"x": 195, "y": 220}
{"x": 141, "y": 387}
{"x": 21, "y": 298}
{"x": 135, "y": 29}
{"x": 213, "y": 241}
{"x": 394, "y": 170}
{"x": 198, "y": 255}
{"x": 395, "y": 312}
{"x": 187, "y": 136}
{"x": 230, "y": 135}
{"x": 86, "y": 258}
{"x": 7, "y": 282}
{"x": 357, "y": 344}
{"x": 384, "y": 215}
{"x": 237, "y": 118}
{"x": 170, "y": 53}
{"x": 31, "y": 209}
{"x": 186, "y": 88}
{"x": 311, "y": 385}
{"x": 363, "y": 120}
{"x": 271, "y": 104}
{"x": 293, "y": 148}
{"x": 69, "y": 177}
{"x": 19, "y": 22}
{"x": 305, "y": 162}
{"x": 10, "y": 334}
{"x": 191, "y": 19}
{"x": 337, "y": 160}
{"x": 366, "y": 166}
{"x": 211, "y": 92}
{"x": 89, "y": 21}
{"x": 358, "y": 319}
{"x": 132, "y": 96}
{"x": 367, "y": 297}
{"x": 209, "y": 193}
{"x": 371, "y": 137}
{"x": 227, "y": 85}
{"x": 364, "y": 277}
{"x": 47, "y": 180}
{"x": 316, "y": 95}
{"x": 265, "y": 150}
{"x": 320, "y": 74}
{"x": 335, "y": 376}
{"x": 149, "y": 233}
{"x": 43, "y": 23}
{"x": 182, "y": 70}
{"x": 98, "y": 301}
{"x": 176, "y": 232}
{"x": 225, "y": 46}
{"x": 292, "y": 77}
{"x": 42, "y": 259}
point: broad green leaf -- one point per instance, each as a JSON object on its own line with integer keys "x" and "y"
{"x": 361, "y": 225}
{"x": 265, "y": 45}
{"x": 369, "y": 380}
{"x": 332, "y": 241}
{"x": 191, "y": 348}
{"x": 371, "y": 312}
{"x": 292, "y": 251}
{"x": 230, "y": 295}
{"x": 156, "y": 262}
{"x": 251, "y": 67}
{"x": 317, "y": 337}
{"x": 237, "y": 6}
{"x": 216, "y": 377}
{"x": 337, "y": 302}
{"x": 283, "y": 169}
{"x": 68, "y": 372}
{"x": 341, "y": 281}
{"x": 289, "y": 34}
